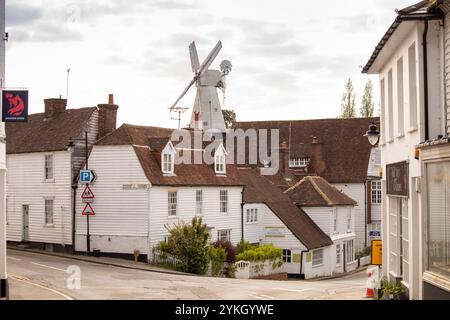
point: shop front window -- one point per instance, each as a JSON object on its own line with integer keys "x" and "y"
{"x": 438, "y": 181}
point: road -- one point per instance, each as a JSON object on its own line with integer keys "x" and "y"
{"x": 37, "y": 276}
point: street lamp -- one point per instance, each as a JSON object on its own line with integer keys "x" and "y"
{"x": 71, "y": 146}
{"x": 373, "y": 135}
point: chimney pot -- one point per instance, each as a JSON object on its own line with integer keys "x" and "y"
{"x": 111, "y": 99}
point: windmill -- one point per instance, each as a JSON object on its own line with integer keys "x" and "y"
{"x": 207, "y": 112}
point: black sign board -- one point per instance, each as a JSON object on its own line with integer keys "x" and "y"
{"x": 397, "y": 176}
{"x": 14, "y": 105}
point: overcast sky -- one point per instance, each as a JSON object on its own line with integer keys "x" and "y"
{"x": 290, "y": 59}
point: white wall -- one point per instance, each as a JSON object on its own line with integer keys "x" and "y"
{"x": 357, "y": 192}
{"x": 26, "y": 185}
{"x": 120, "y": 224}
{"x": 159, "y": 217}
{"x": 402, "y": 147}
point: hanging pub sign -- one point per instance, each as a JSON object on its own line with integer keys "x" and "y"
{"x": 14, "y": 105}
{"x": 397, "y": 179}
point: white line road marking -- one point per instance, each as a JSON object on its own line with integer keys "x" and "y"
{"x": 43, "y": 265}
{"x": 15, "y": 259}
{"x": 20, "y": 278}
{"x": 261, "y": 296}
{"x": 293, "y": 290}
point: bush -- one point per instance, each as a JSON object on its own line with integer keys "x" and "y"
{"x": 392, "y": 290}
{"x": 217, "y": 256}
{"x": 164, "y": 247}
{"x": 243, "y": 246}
{"x": 189, "y": 242}
{"x": 229, "y": 248}
{"x": 261, "y": 253}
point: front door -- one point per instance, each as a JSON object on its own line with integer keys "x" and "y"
{"x": 25, "y": 219}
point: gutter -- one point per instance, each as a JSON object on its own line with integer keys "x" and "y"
{"x": 425, "y": 78}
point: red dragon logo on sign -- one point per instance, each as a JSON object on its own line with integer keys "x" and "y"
{"x": 16, "y": 105}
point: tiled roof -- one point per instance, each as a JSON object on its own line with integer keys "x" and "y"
{"x": 346, "y": 151}
{"x": 148, "y": 143}
{"x": 314, "y": 191}
{"x": 260, "y": 190}
{"x": 42, "y": 134}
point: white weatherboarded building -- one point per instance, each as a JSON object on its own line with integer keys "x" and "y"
{"x": 336, "y": 150}
{"x": 140, "y": 191}
{"x": 42, "y": 168}
{"x": 411, "y": 60}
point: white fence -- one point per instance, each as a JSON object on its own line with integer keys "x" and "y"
{"x": 255, "y": 269}
{"x": 160, "y": 257}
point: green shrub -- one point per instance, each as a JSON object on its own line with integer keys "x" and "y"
{"x": 217, "y": 256}
{"x": 189, "y": 243}
{"x": 164, "y": 247}
{"x": 243, "y": 246}
{"x": 261, "y": 253}
{"x": 394, "y": 290}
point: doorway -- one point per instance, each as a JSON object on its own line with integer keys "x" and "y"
{"x": 25, "y": 220}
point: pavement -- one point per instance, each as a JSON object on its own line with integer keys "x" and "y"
{"x": 37, "y": 276}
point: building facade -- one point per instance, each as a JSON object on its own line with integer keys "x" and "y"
{"x": 410, "y": 62}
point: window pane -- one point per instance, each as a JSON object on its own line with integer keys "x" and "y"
{"x": 438, "y": 175}
{"x": 48, "y": 211}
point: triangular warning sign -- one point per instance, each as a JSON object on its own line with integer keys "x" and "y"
{"x": 88, "y": 211}
{"x": 87, "y": 193}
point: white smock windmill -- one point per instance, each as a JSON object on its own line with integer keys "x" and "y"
{"x": 207, "y": 112}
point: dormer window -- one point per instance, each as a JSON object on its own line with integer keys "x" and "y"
{"x": 168, "y": 159}
{"x": 167, "y": 163}
{"x": 219, "y": 160}
{"x": 299, "y": 162}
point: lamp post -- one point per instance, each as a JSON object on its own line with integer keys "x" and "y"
{"x": 71, "y": 145}
{"x": 373, "y": 135}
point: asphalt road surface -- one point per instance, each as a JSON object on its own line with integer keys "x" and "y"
{"x": 37, "y": 276}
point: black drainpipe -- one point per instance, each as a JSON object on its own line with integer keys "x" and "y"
{"x": 74, "y": 213}
{"x": 242, "y": 214}
{"x": 425, "y": 77}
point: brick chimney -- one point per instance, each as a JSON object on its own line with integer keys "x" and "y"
{"x": 54, "y": 106}
{"x": 107, "y": 117}
{"x": 284, "y": 157}
{"x": 317, "y": 164}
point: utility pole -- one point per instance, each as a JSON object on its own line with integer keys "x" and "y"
{"x": 4, "y": 292}
{"x": 88, "y": 235}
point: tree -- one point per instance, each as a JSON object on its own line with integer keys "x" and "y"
{"x": 189, "y": 243}
{"x": 229, "y": 116}
{"x": 367, "y": 101}
{"x": 348, "y": 101}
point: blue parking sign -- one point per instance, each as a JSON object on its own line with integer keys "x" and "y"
{"x": 87, "y": 176}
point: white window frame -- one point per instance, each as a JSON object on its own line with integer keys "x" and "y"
{"x": 49, "y": 213}
{"x": 317, "y": 258}
{"x": 49, "y": 167}
{"x": 168, "y": 164}
{"x": 299, "y": 162}
{"x": 223, "y": 201}
{"x": 350, "y": 251}
{"x": 172, "y": 203}
{"x": 376, "y": 192}
{"x": 199, "y": 202}
{"x": 251, "y": 215}
{"x": 287, "y": 256}
{"x": 335, "y": 220}
{"x": 219, "y": 164}
{"x": 224, "y": 235}
{"x": 349, "y": 220}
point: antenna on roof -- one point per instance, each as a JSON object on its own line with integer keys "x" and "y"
{"x": 179, "y": 110}
{"x": 67, "y": 85}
